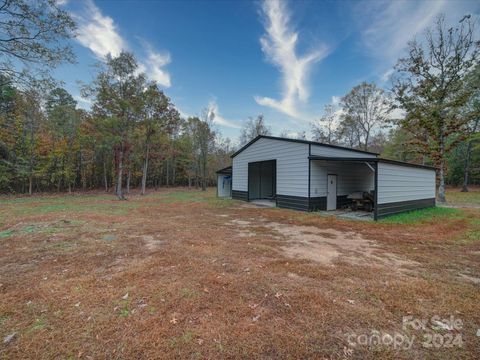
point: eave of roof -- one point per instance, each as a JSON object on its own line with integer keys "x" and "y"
{"x": 377, "y": 159}
{"x": 299, "y": 141}
{"x": 226, "y": 170}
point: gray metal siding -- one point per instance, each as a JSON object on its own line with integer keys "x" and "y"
{"x": 292, "y": 165}
{"x": 320, "y": 150}
{"x": 397, "y": 183}
{"x": 350, "y": 177}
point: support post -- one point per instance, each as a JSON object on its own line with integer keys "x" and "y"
{"x": 309, "y": 173}
{"x": 375, "y": 202}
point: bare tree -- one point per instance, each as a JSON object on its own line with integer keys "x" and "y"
{"x": 290, "y": 134}
{"x": 349, "y": 133}
{"x": 159, "y": 115}
{"x": 324, "y": 129}
{"x": 368, "y": 108}
{"x": 430, "y": 88}
{"x": 33, "y": 118}
{"x": 203, "y": 136}
{"x": 253, "y": 128}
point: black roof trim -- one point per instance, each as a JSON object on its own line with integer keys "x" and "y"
{"x": 330, "y": 158}
{"x": 396, "y": 162}
{"x": 299, "y": 141}
{"x": 226, "y": 170}
{"x": 388, "y": 161}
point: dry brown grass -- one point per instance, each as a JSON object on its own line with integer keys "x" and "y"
{"x": 203, "y": 283}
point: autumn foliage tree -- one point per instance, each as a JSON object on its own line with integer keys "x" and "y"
{"x": 430, "y": 88}
{"x": 158, "y": 116}
{"x": 117, "y": 94}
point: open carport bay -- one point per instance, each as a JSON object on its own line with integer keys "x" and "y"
{"x": 262, "y": 179}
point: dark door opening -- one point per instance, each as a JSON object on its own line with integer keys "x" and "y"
{"x": 262, "y": 180}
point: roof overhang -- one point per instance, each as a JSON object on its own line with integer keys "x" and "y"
{"x": 225, "y": 171}
{"x": 369, "y": 159}
{"x": 299, "y": 141}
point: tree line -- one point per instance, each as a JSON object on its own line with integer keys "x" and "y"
{"x": 134, "y": 136}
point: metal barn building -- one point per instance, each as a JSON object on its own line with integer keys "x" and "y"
{"x": 309, "y": 176}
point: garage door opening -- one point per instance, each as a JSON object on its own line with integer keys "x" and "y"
{"x": 262, "y": 180}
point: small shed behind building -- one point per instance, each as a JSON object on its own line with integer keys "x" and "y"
{"x": 224, "y": 182}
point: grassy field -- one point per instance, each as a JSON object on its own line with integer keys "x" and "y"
{"x": 182, "y": 274}
{"x": 471, "y": 198}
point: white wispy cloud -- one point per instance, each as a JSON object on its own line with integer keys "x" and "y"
{"x": 336, "y": 100}
{"x": 387, "y": 75}
{"x": 81, "y": 99}
{"x": 279, "y": 45}
{"x": 214, "y": 113}
{"x": 183, "y": 113}
{"x": 98, "y": 32}
{"x": 82, "y": 102}
{"x": 101, "y": 35}
{"x": 386, "y": 26}
{"x": 154, "y": 64}
{"x": 392, "y": 24}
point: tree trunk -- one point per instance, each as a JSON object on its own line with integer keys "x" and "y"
{"x": 174, "y": 175}
{"x": 105, "y": 180}
{"x": 93, "y": 179}
{"x": 204, "y": 174}
{"x": 466, "y": 167}
{"x": 167, "y": 173}
{"x": 83, "y": 171}
{"x": 119, "y": 191}
{"x": 197, "y": 175}
{"x": 441, "y": 187}
{"x": 145, "y": 169}
{"x": 129, "y": 175}
{"x": 30, "y": 177}
{"x": 468, "y": 156}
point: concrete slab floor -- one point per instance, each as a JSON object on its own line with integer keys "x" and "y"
{"x": 348, "y": 214}
{"x": 341, "y": 213}
{"x": 264, "y": 203}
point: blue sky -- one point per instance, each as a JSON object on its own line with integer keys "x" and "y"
{"x": 284, "y": 59}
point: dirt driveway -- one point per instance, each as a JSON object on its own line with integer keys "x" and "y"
{"x": 325, "y": 246}
{"x": 181, "y": 274}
